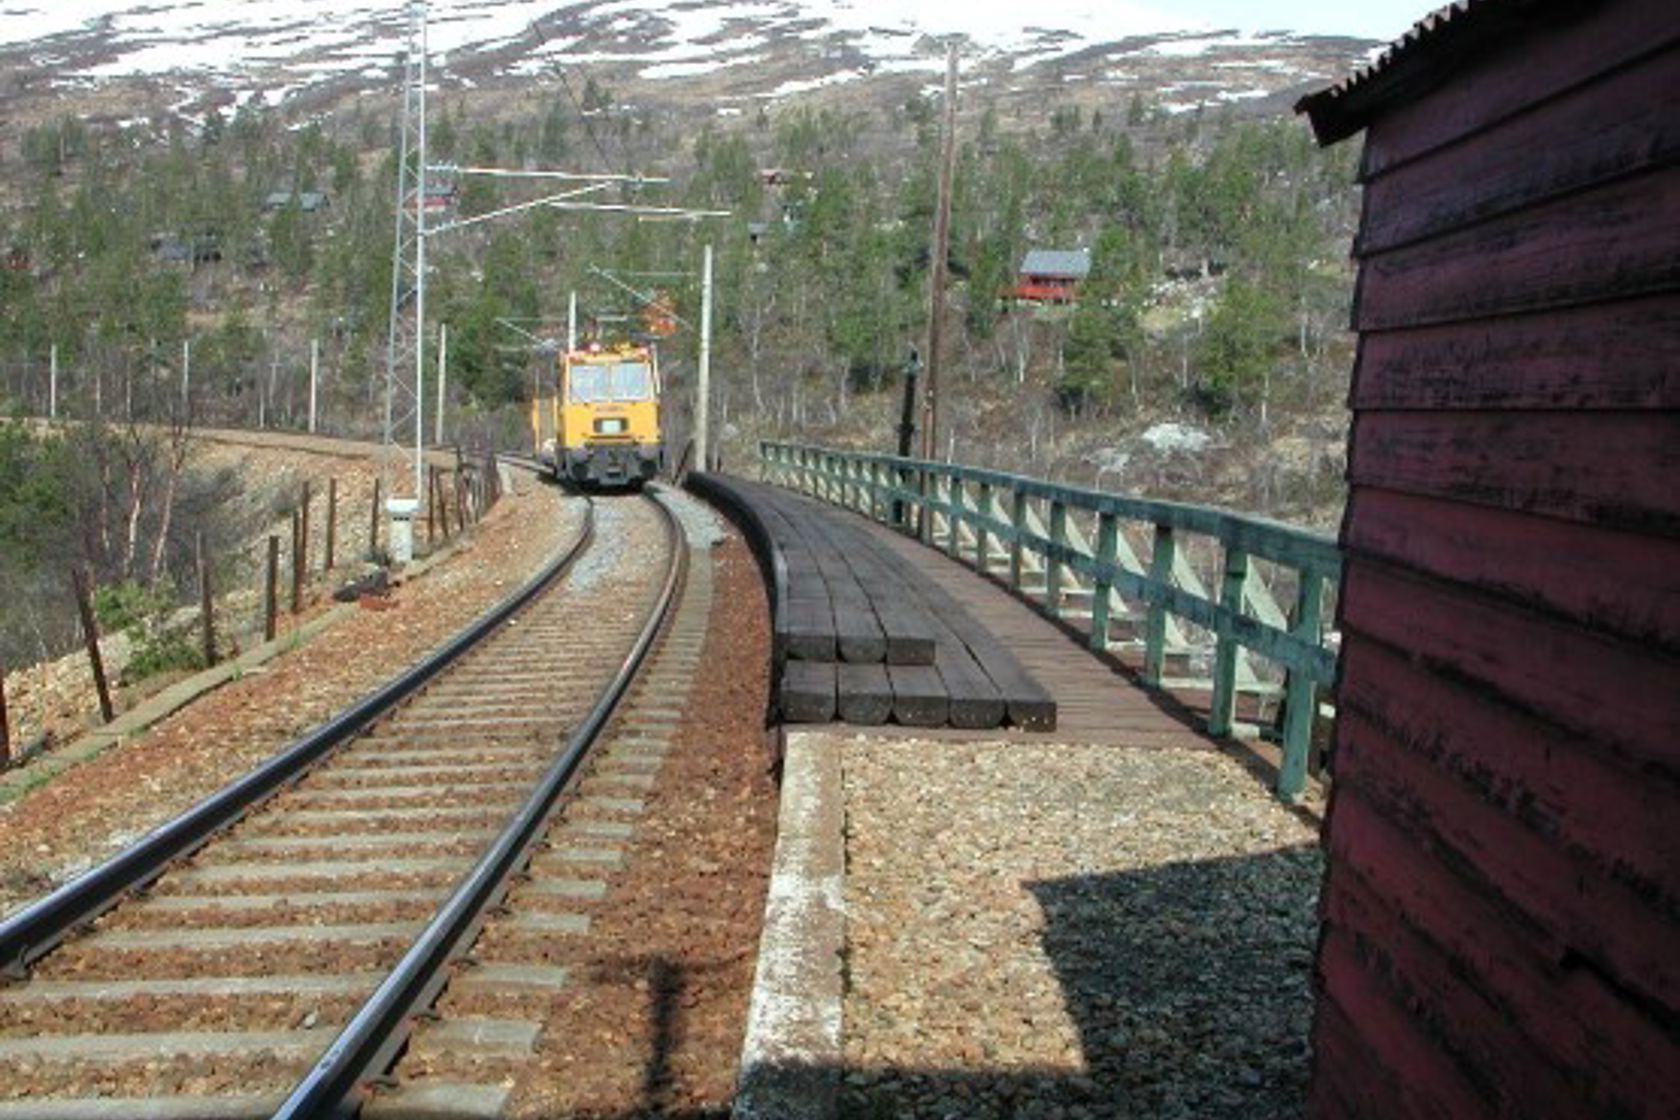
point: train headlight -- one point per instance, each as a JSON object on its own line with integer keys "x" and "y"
{"x": 611, "y": 426}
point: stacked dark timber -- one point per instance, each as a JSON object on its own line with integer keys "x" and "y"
{"x": 861, "y": 637}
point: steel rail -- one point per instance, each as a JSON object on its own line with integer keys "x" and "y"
{"x": 33, "y": 931}
{"x": 378, "y": 1031}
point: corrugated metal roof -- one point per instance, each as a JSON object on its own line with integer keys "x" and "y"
{"x": 1422, "y": 59}
{"x": 1074, "y": 264}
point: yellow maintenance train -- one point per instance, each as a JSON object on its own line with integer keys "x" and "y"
{"x": 604, "y": 417}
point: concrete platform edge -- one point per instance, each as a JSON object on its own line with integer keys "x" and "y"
{"x": 791, "y": 1057}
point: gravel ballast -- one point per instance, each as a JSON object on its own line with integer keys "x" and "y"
{"x": 1071, "y": 931}
{"x": 88, "y": 812}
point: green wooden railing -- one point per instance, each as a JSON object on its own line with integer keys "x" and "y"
{"x": 1030, "y": 528}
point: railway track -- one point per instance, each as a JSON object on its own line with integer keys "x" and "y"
{"x": 270, "y": 951}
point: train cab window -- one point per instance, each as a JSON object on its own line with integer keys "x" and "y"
{"x": 618, "y": 381}
{"x": 632, "y": 381}
{"x": 586, "y": 384}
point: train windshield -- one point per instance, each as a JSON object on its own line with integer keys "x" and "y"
{"x": 610, "y": 381}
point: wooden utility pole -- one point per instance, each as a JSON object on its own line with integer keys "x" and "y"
{"x": 702, "y": 391}
{"x": 443, "y": 380}
{"x": 186, "y": 378}
{"x": 906, "y": 430}
{"x": 941, "y": 249}
{"x": 52, "y": 382}
{"x": 314, "y": 379}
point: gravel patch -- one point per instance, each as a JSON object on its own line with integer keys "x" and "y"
{"x": 1077, "y": 932}
{"x": 600, "y": 562}
{"x": 700, "y": 521}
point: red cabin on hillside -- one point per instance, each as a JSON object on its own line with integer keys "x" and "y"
{"x": 1503, "y": 892}
{"x": 1051, "y": 276}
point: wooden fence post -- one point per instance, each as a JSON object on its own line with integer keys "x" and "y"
{"x": 271, "y": 592}
{"x": 206, "y": 604}
{"x": 5, "y": 724}
{"x": 373, "y": 525}
{"x": 90, "y": 631}
{"x": 460, "y": 501}
{"x": 432, "y": 505}
{"x": 303, "y": 541}
{"x": 332, "y": 523}
{"x": 297, "y": 562}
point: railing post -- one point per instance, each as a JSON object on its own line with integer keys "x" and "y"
{"x": 954, "y": 496}
{"x": 1223, "y": 709}
{"x": 927, "y": 492}
{"x": 1161, "y": 560}
{"x": 982, "y": 540}
{"x": 1301, "y": 693}
{"x": 1017, "y": 522}
{"x": 874, "y": 476}
{"x": 1108, "y": 540}
{"x": 1052, "y": 561}
{"x": 896, "y": 514}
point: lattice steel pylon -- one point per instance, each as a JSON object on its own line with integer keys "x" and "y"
{"x": 405, "y": 343}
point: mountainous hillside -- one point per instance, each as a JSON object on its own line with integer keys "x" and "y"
{"x": 160, "y": 265}
{"x": 141, "y": 62}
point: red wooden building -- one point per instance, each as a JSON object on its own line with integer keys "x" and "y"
{"x": 1051, "y": 275}
{"x": 1502, "y": 903}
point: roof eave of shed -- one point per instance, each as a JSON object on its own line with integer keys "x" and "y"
{"x": 1422, "y": 59}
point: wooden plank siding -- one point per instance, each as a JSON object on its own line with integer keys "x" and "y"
{"x": 1590, "y": 41}
{"x": 1601, "y": 357}
{"x": 1613, "y": 469}
{"x": 1620, "y": 584}
{"x": 1502, "y": 902}
{"x": 1620, "y": 240}
{"x": 1589, "y": 136}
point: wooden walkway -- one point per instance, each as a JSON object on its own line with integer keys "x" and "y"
{"x": 1096, "y": 701}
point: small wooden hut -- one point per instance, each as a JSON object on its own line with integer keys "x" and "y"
{"x": 1502, "y": 902}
